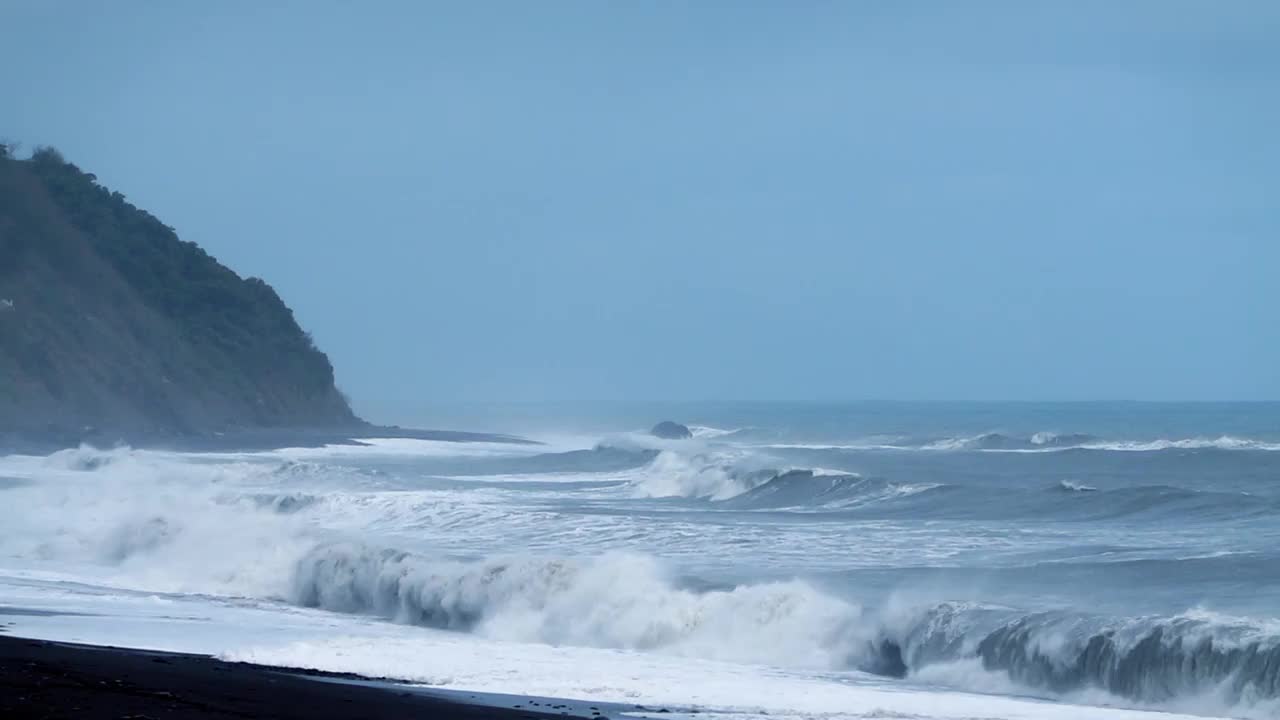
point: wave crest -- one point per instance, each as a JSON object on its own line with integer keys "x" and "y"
{"x": 630, "y": 602}
{"x": 1044, "y": 442}
{"x": 613, "y": 601}
{"x": 1145, "y": 659}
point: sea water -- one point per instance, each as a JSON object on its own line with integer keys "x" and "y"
{"x": 862, "y": 560}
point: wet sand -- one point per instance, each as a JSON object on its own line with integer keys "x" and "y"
{"x": 41, "y": 679}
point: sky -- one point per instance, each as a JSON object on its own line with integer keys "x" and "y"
{"x": 813, "y": 201}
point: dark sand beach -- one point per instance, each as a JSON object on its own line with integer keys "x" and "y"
{"x": 41, "y": 679}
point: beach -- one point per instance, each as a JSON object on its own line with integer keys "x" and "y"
{"x": 40, "y": 679}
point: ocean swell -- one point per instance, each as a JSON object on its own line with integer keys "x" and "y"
{"x": 1040, "y": 442}
{"x": 822, "y": 491}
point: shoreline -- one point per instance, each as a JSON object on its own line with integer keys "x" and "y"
{"x": 242, "y": 440}
{"x": 46, "y": 679}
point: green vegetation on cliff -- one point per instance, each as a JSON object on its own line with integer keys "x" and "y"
{"x": 108, "y": 320}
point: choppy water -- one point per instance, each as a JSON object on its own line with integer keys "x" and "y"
{"x": 856, "y": 561}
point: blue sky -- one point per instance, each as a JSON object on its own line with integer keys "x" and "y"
{"x": 665, "y": 200}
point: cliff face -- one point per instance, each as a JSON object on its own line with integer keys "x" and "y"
{"x": 110, "y": 323}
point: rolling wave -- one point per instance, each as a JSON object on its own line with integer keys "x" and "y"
{"x": 1150, "y": 659}
{"x": 1000, "y": 441}
{"x": 1069, "y": 501}
{"x": 1223, "y": 442}
{"x": 819, "y": 491}
{"x": 731, "y": 477}
{"x": 746, "y": 480}
{"x": 283, "y": 503}
{"x": 702, "y": 474}
{"x": 171, "y": 527}
{"x": 707, "y": 432}
{"x": 628, "y": 602}
{"x": 1045, "y": 442}
{"x": 614, "y": 601}
{"x": 738, "y": 478}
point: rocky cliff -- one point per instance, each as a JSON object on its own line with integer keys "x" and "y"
{"x": 110, "y": 324}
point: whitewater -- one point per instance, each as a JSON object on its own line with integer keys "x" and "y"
{"x": 868, "y": 561}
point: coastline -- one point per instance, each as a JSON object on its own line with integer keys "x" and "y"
{"x": 43, "y": 679}
{"x": 240, "y": 440}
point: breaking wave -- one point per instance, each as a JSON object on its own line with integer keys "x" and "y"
{"x": 1000, "y": 441}
{"x": 1224, "y": 442}
{"x": 706, "y": 432}
{"x": 284, "y": 503}
{"x": 614, "y": 601}
{"x": 87, "y": 458}
{"x": 252, "y": 529}
{"x": 630, "y": 602}
{"x": 1054, "y": 442}
{"x": 745, "y": 480}
{"x": 708, "y": 474}
{"x": 1043, "y": 442}
{"x": 825, "y": 491}
{"x": 1153, "y": 660}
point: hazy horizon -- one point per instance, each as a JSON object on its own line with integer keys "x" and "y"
{"x": 759, "y": 202}
{"x": 751, "y": 360}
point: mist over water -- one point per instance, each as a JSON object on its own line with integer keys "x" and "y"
{"x": 1108, "y": 555}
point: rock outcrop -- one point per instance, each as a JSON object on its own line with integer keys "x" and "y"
{"x": 669, "y": 430}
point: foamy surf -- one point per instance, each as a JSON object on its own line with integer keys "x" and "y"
{"x": 916, "y": 571}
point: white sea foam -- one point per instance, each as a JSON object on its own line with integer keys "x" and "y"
{"x": 828, "y": 472}
{"x": 705, "y": 432}
{"x": 612, "y": 601}
{"x": 270, "y": 529}
{"x": 714, "y": 475}
{"x": 828, "y": 446}
{"x": 406, "y": 448}
{"x": 1223, "y": 442}
{"x": 1045, "y": 442}
{"x": 468, "y": 663}
{"x": 713, "y": 689}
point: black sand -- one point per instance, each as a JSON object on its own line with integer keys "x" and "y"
{"x": 59, "y": 680}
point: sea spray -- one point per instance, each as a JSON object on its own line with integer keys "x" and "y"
{"x": 614, "y": 601}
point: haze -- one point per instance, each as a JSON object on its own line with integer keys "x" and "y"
{"x": 804, "y": 201}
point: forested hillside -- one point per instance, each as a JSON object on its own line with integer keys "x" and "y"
{"x": 109, "y": 323}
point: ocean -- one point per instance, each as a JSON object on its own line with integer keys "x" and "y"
{"x": 866, "y": 560}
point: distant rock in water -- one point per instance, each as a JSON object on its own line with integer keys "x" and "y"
{"x": 669, "y": 430}
{"x": 111, "y": 326}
